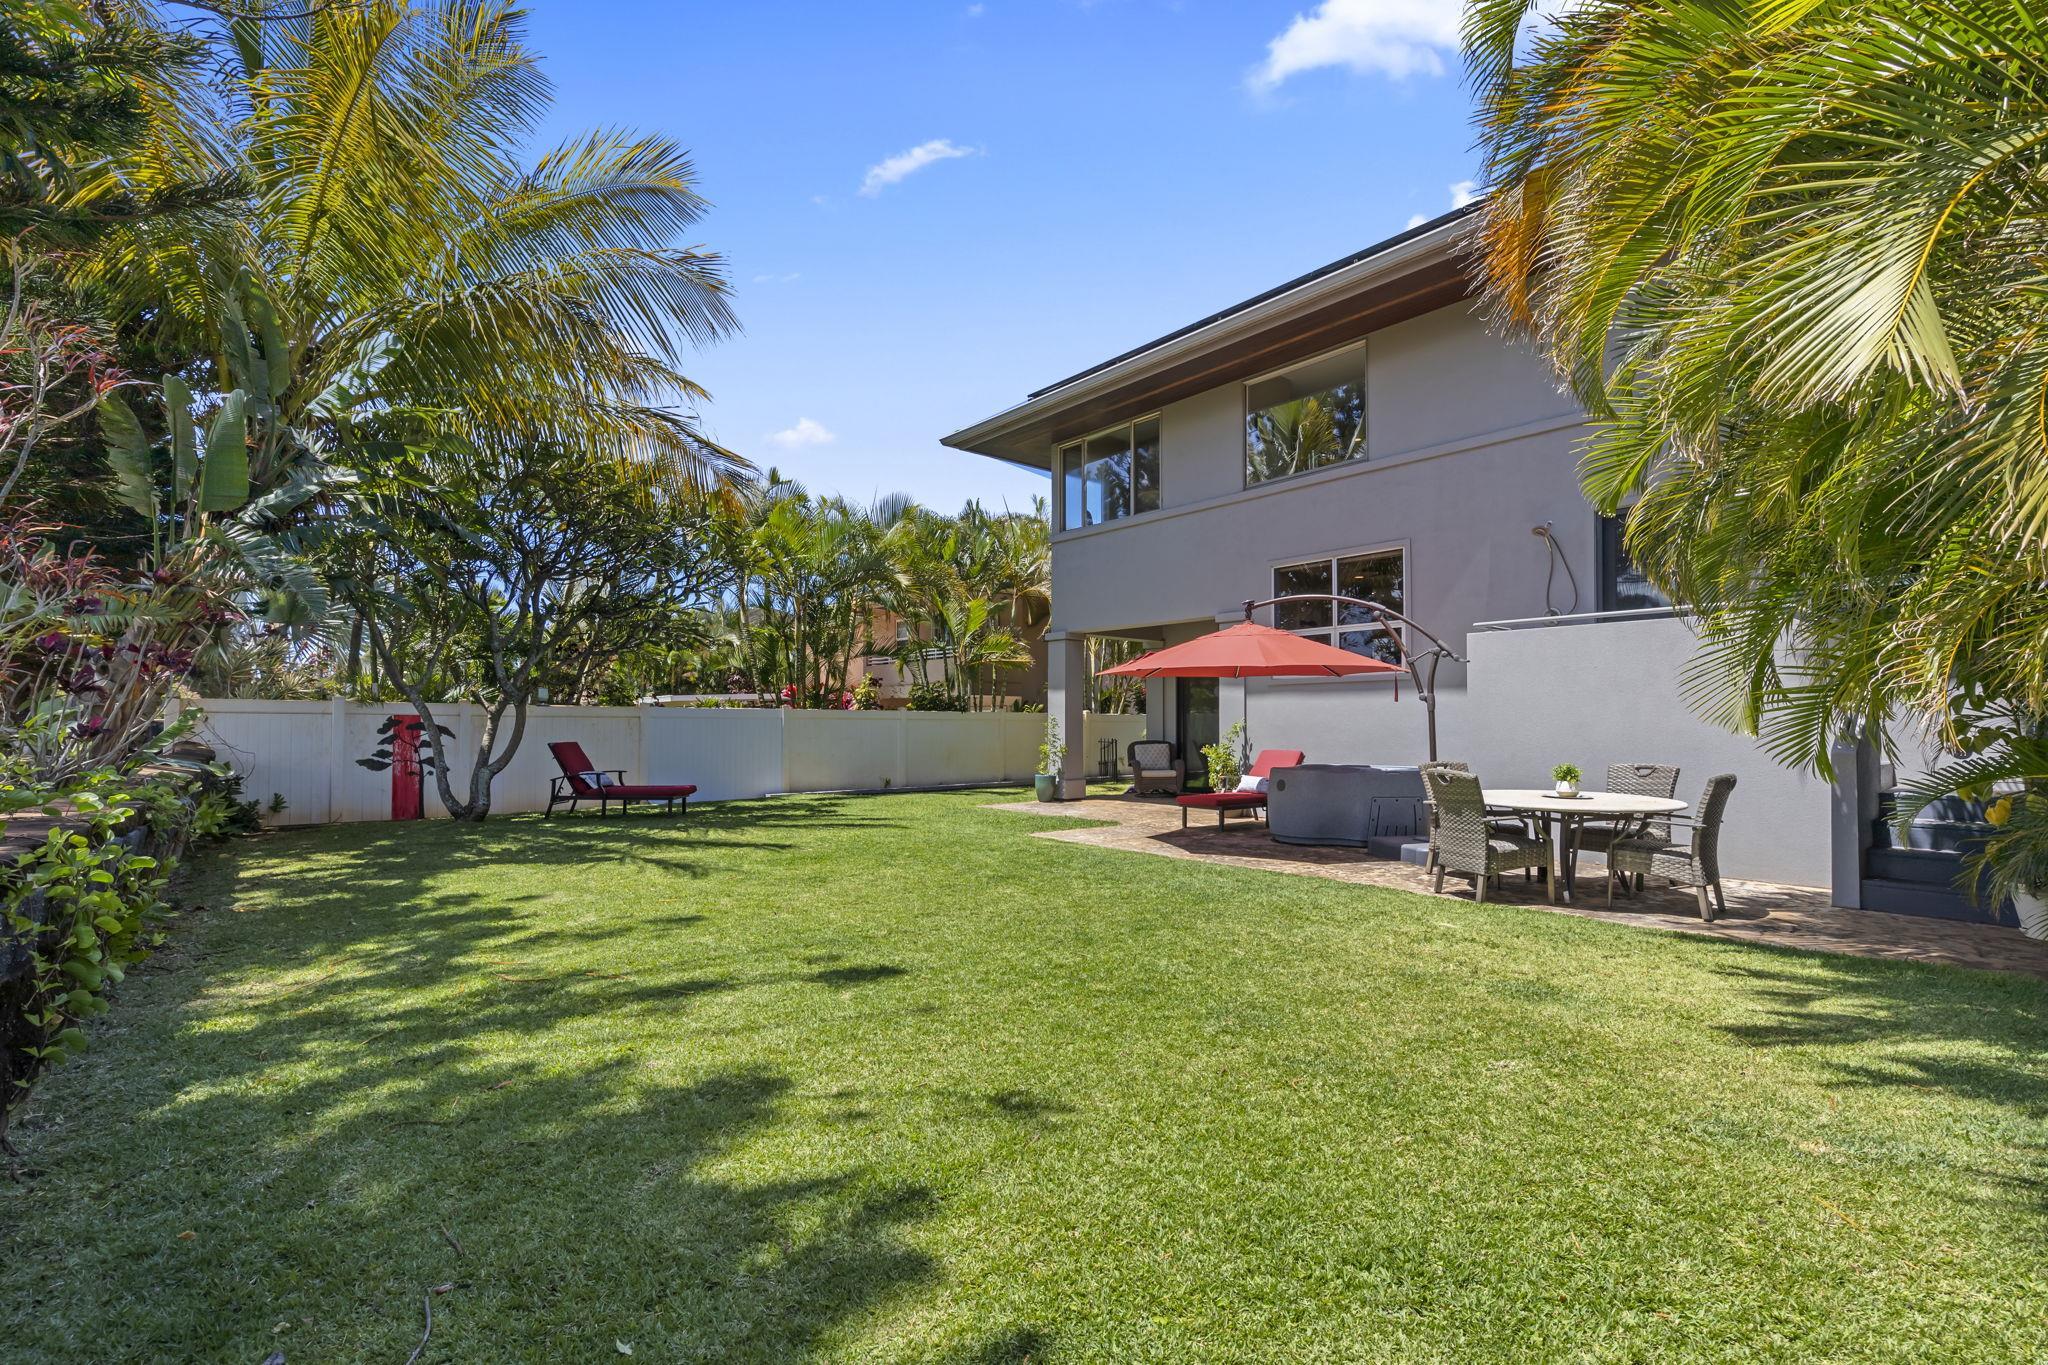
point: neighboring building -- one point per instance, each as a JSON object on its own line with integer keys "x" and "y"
{"x": 1361, "y": 427}
{"x": 894, "y": 677}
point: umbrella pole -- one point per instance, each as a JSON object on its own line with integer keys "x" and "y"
{"x": 1244, "y": 718}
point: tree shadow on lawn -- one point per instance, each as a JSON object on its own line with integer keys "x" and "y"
{"x": 328, "y": 1141}
{"x": 566, "y": 1213}
{"x": 1915, "y": 1018}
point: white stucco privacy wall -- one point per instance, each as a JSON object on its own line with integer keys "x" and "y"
{"x": 1590, "y": 693}
{"x": 307, "y": 752}
{"x": 1610, "y": 692}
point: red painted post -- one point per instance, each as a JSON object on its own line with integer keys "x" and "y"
{"x": 408, "y": 779}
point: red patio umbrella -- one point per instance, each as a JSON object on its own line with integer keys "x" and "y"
{"x": 1250, "y": 650}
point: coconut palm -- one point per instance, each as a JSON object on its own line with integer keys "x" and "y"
{"x": 392, "y": 227}
{"x": 1787, "y": 256}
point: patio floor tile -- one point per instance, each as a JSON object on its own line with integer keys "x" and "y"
{"x": 1758, "y": 912}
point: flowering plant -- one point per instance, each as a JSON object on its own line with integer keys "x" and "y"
{"x": 89, "y": 655}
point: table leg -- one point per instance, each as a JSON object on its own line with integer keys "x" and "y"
{"x": 1568, "y": 853}
{"x": 1553, "y": 846}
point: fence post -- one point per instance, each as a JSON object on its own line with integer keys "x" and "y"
{"x": 337, "y": 754}
{"x": 782, "y": 746}
{"x": 641, "y": 772}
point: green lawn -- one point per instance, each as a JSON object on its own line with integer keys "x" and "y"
{"x": 886, "y": 1079}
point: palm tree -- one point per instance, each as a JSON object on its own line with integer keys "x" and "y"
{"x": 393, "y": 234}
{"x": 1786, "y": 255}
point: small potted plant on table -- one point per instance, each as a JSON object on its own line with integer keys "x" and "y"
{"x": 1052, "y": 754}
{"x": 1567, "y": 776}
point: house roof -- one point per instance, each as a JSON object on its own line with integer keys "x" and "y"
{"x": 1411, "y": 273}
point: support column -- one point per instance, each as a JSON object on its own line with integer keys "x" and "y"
{"x": 1852, "y": 808}
{"x": 1066, "y": 701}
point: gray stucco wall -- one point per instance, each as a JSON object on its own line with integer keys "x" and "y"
{"x": 1471, "y": 446}
{"x": 1595, "y": 694}
{"x": 1590, "y": 694}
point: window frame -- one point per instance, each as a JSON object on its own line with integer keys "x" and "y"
{"x": 1080, "y": 444}
{"x": 1329, "y": 634}
{"x": 1608, "y": 558}
{"x": 1244, "y": 414}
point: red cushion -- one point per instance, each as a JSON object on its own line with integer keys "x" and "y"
{"x": 1270, "y": 759}
{"x": 643, "y": 791}
{"x": 1221, "y": 800}
{"x": 574, "y": 763}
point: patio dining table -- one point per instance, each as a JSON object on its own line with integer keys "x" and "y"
{"x": 1570, "y": 813}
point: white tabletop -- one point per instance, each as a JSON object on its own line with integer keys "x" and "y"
{"x": 1586, "y": 803}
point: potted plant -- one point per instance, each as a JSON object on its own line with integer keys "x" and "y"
{"x": 1052, "y": 755}
{"x": 1567, "y": 776}
{"x": 1226, "y": 759}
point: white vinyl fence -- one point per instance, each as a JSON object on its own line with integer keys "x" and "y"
{"x": 308, "y": 752}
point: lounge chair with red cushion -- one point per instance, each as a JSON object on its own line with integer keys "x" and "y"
{"x": 582, "y": 781}
{"x": 1225, "y": 802}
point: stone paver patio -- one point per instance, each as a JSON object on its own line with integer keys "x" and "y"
{"x": 1758, "y": 912}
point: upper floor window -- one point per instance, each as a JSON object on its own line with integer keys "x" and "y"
{"x": 1623, "y": 586}
{"x": 1110, "y": 475}
{"x": 1377, "y": 577}
{"x": 1305, "y": 418}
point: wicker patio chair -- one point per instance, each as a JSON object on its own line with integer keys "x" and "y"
{"x": 1512, "y": 825}
{"x": 1693, "y": 860}
{"x": 1156, "y": 766}
{"x": 1632, "y": 779}
{"x": 1464, "y": 840}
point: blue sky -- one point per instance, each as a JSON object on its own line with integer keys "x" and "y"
{"x": 930, "y": 209}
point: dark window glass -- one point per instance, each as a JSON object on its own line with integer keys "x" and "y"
{"x": 1374, "y": 644}
{"x": 1623, "y": 586}
{"x": 1309, "y": 417}
{"x": 1375, "y": 577}
{"x": 1145, "y": 465}
{"x": 1302, "y": 578}
{"x": 1110, "y": 475}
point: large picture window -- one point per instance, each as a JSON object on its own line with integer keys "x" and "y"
{"x": 1305, "y": 418}
{"x": 1110, "y": 475}
{"x": 1377, "y": 577}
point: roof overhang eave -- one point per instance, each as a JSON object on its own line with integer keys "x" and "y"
{"x": 1019, "y": 435}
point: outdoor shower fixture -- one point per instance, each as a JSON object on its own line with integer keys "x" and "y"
{"x": 1438, "y": 651}
{"x": 1556, "y": 556}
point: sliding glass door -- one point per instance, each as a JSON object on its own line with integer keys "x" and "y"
{"x": 1195, "y": 724}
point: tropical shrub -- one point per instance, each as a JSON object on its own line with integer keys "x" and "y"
{"x": 1052, "y": 750}
{"x": 1226, "y": 758}
{"x": 1786, "y": 257}
{"x": 89, "y": 655}
{"x": 76, "y": 912}
{"x": 932, "y": 696}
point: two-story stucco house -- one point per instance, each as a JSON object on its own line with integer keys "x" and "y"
{"x": 1362, "y": 429}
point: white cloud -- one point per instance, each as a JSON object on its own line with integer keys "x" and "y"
{"x": 791, "y": 278}
{"x": 883, "y": 174}
{"x": 1398, "y": 38}
{"x": 976, "y": 11}
{"x": 1463, "y": 193}
{"x": 805, "y": 433}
